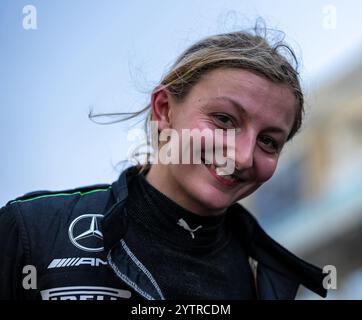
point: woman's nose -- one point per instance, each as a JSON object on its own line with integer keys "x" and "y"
{"x": 244, "y": 152}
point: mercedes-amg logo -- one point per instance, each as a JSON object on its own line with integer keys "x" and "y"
{"x": 84, "y": 233}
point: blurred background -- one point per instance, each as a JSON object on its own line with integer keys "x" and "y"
{"x": 60, "y": 59}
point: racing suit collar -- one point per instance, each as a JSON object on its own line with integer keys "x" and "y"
{"x": 114, "y": 223}
{"x": 281, "y": 262}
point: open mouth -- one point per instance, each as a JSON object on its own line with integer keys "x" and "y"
{"x": 219, "y": 174}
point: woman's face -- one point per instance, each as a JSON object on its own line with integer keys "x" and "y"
{"x": 261, "y": 112}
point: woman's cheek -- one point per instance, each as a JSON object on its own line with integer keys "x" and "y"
{"x": 205, "y": 132}
{"x": 266, "y": 168}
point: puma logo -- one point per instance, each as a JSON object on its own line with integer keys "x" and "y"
{"x": 184, "y": 225}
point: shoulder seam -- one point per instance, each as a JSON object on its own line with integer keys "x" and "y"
{"x": 60, "y": 194}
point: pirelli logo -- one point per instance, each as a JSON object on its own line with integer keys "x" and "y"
{"x": 85, "y": 293}
{"x": 76, "y": 262}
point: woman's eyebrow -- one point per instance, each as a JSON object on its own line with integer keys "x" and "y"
{"x": 239, "y": 108}
{"x": 234, "y": 103}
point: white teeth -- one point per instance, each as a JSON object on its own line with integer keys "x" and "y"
{"x": 228, "y": 178}
{"x": 221, "y": 172}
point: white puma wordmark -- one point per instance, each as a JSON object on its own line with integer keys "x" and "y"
{"x": 184, "y": 225}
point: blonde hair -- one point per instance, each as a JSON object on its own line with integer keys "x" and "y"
{"x": 248, "y": 50}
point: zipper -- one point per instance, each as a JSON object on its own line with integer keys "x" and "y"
{"x": 140, "y": 266}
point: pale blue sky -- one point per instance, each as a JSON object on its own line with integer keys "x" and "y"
{"x": 109, "y": 54}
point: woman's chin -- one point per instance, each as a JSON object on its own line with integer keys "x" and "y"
{"x": 213, "y": 200}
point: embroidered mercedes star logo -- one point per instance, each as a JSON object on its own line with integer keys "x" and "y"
{"x": 84, "y": 233}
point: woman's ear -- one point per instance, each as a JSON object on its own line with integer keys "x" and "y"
{"x": 161, "y": 108}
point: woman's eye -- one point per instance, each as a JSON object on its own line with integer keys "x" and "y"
{"x": 269, "y": 144}
{"x": 224, "y": 119}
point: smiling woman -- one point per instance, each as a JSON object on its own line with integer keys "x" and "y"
{"x": 261, "y": 111}
{"x": 176, "y": 230}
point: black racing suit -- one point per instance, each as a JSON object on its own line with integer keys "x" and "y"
{"x": 72, "y": 245}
